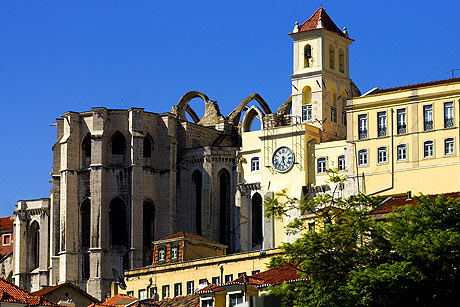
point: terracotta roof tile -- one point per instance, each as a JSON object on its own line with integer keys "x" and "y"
{"x": 47, "y": 290}
{"x": 192, "y": 300}
{"x": 12, "y": 293}
{"x": 394, "y": 202}
{"x": 312, "y": 23}
{"x": 185, "y": 301}
{"x": 188, "y": 235}
{"x": 6, "y": 223}
{"x": 411, "y": 86}
{"x": 119, "y": 299}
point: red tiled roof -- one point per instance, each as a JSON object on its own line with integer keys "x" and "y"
{"x": 13, "y": 294}
{"x": 123, "y": 300}
{"x": 6, "y": 250}
{"x": 328, "y": 24}
{"x": 66, "y": 284}
{"x": 119, "y": 299}
{"x": 6, "y": 223}
{"x": 192, "y": 300}
{"x": 411, "y": 86}
{"x": 401, "y": 201}
{"x": 276, "y": 276}
{"x": 188, "y": 235}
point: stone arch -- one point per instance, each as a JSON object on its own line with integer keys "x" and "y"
{"x": 248, "y": 118}
{"x": 285, "y": 108}
{"x": 117, "y": 148}
{"x": 235, "y": 116}
{"x": 148, "y": 147}
{"x": 118, "y": 223}
{"x": 211, "y": 114}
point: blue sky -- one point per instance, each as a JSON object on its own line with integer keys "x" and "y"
{"x": 57, "y": 56}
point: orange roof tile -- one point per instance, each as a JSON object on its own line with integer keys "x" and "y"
{"x": 12, "y": 293}
{"x": 6, "y": 223}
{"x": 188, "y": 235}
{"x": 119, "y": 299}
{"x": 411, "y": 86}
{"x": 192, "y": 300}
{"x": 47, "y": 290}
{"x": 327, "y": 23}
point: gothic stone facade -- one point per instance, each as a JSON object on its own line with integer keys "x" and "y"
{"x": 121, "y": 179}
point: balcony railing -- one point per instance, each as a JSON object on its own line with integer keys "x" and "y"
{"x": 448, "y": 122}
{"x": 428, "y": 125}
{"x": 402, "y": 129}
{"x": 362, "y": 134}
{"x": 382, "y": 131}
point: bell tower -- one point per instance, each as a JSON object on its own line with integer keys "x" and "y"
{"x": 321, "y": 81}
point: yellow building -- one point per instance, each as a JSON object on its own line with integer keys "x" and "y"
{"x": 406, "y": 139}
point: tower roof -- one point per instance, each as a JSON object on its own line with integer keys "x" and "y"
{"x": 320, "y": 19}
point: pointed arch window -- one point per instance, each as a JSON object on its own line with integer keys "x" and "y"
{"x": 224, "y": 207}
{"x": 148, "y": 215}
{"x": 257, "y": 235}
{"x": 148, "y": 150}
{"x": 34, "y": 245}
{"x": 85, "y": 230}
{"x": 197, "y": 183}
{"x": 118, "y": 223}
{"x": 86, "y": 150}
{"x": 118, "y": 148}
{"x": 307, "y": 56}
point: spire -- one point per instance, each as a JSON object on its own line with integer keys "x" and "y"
{"x": 320, "y": 20}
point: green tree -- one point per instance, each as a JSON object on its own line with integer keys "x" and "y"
{"x": 411, "y": 259}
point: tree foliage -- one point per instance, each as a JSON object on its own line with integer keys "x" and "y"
{"x": 410, "y": 259}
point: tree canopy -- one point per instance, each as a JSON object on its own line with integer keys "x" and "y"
{"x": 351, "y": 259}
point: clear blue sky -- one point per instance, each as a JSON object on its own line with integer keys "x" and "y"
{"x": 57, "y": 56}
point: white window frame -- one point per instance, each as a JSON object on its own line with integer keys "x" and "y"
{"x": 451, "y": 144}
{"x": 341, "y": 160}
{"x": 307, "y": 112}
{"x": 384, "y": 152}
{"x": 255, "y": 164}
{"x": 381, "y": 122}
{"x": 427, "y": 154}
{"x": 320, "y": 167}
{"x": 363, "y": 157}
{"x": 401, "y": 119}
{"x": 448, "y": 113}
{"x": 428, "y": 115}
{"x": 362, "y": 126}
{"x": 401, "y": 148}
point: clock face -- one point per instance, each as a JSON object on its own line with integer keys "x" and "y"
{"x": 283, "y": 159}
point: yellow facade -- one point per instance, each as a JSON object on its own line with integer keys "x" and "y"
{"x": 421, "y": 169}
{"x": 153, "y": 279}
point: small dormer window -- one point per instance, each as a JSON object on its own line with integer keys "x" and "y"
{"x": 161, "y": 254}
{"x": 174, "y": 253}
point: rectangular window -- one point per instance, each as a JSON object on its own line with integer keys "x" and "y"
{"x": 174, "y": 253}
{"x": 362, "y": 157}
{"x": 255, "y": 272}
{"x": 382, "y": 124}
{"x": 228, "y": 277}
{"x": 306, "y": 112}
{"x": 333, "y": 114}
{"x": 6, "y": 239}
{"x": 428, "y": 149}
{"x": 362, "y": 126}
{"x": 401, "y": 119}
{"x": 165, "y": 292}
{"x": 141, "y": 294}
{"x": 190, "y": 287}
{"x": 382, "y": 155}
{"x": 203, "y": 281}
{"x": 255, "y": 164}
{"x": 161, "y": 254}
{"x": 241, "y": 274}
{"x": 449, "y": 146}
{"x": 428, "y": 117}
{"x": 154, "y": 293}
{"x": 448, "y": 114}
{"x": 216, "y": 280}
{"x": 321, "y": 165}
{"x": 178, "y": 289}
{"x": 130, "y": 293}
{"x": 344, "y": 118}
{"x": 235, "y": 299}
{"x": 402, "y": 152}
{"x": 311, "y": 226}
{"x": 341, "y": 163}
{"x": 206, "y": 303}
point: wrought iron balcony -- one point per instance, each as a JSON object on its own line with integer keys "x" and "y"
{"x": 428, "y": 125}
{"x": 363, "y": 134}
{"x": 382, "y": 131}
{"x": 402, "y": 129}
{"x": 448, "y": 122}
